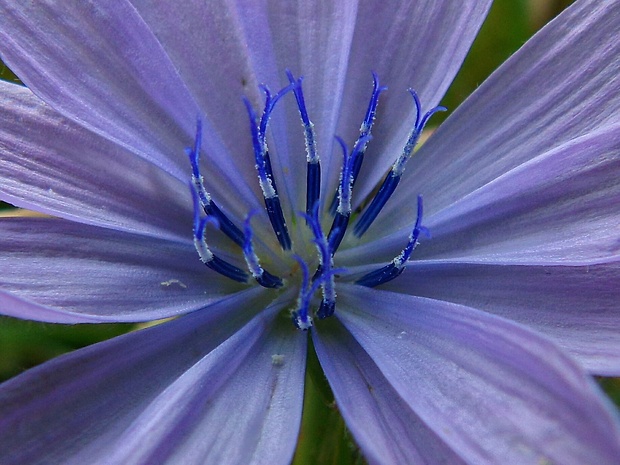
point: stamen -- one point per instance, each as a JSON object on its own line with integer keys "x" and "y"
{"x": 263, "y": 164}
{"x": 324, "y": 272}
{"x": 263, "y": 277}
{"x": 301, "y": 318}
{"x": 313, "y": 176}
{"x": 206, "y": 255}
{"x": 341, "y": 206}
{"x": 393, "y": 178}
{"x": 399, "y": 263}
{"x": 365, "y": 129}
{"x": 208, "y": 206}
{"x": 345, "y": 187}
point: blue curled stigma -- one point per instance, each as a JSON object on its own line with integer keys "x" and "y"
{"x": 324, "y": 273}
{"x": 262, "y": 276}
{"x": 204, "y": 252}
{"x": 393, "y": 178}
{"x": 313, "y": 163}
{"x": 398, "y": 264}
{"x": 207, "y": 204}
{"x": 365, "y": 129}
{"x": 266, "y": 180}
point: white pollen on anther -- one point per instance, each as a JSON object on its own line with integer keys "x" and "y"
{"x": 203, "y": 251}
{"x": 277, "y": 360}
{"x": 267, "y": 187}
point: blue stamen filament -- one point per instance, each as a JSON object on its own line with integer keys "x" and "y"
{"x": 398, "y": 264}
{"x": 365, "y": 129}
{"x": 208, "y": 206}
{"x": 326, "y": 245}
{"x": 324, "y": 273}
{"x": 263, "y": 164}
{"x": 206, "y": 255}
{"x": 301, "y": 315}
{"x": 263, "y": 277}
{"x": 345, "y": 187}
{"x": 313, "y": 177}
{"x": 393, "y": 178}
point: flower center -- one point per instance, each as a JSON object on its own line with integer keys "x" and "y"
{"x": 207, "y": 212}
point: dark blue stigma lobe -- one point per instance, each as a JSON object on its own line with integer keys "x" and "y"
{"x": 263, "y": 164}
{"x": 393, "y": 178}
{"x": 204, "y": 252}
{"x": 262, "y": 276}
{"x": 207, "y": 204}
{"x": 313, "y": 176}
{"x": 345, "y": 188}
{"x": 325, "y": 272}
{"x": 397, "y": 265}
{"x": 365, "y": 128}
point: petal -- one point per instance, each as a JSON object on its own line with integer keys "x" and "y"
{"x": 576, "y": 306}
{"x": 419, "y": 45}
{"x": 334, "y": 45}
{"x": 558, "y": 87}
{"x": 386, "y": 428}
{"x": 256, "y": 42}
{"x": 64, "y": 272}
{"x": 78, "y": 408}
{"x": 49, "y": 164}
{"x": 241, "y": 404}
{"x": 492, "y": 390}
{"x": 559, "y": 207}
{"x": 103, "y": 67}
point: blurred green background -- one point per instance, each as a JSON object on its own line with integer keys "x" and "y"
{"x": 324, "y": 438}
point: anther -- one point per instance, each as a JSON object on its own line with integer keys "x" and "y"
{"x": 393, "y": 178}
{"x": 206, "y": 255}
{"x": 206, "y": 202}
{"x": 263, "y": 164}
{"x": 345, "y": 187}
{"x": 365, "y": 129}
{"x": 300, "y": 316}
{"x": 263, "y": 277}
{"x": 398, "y": 264}
{"x": 324, "y": 273}
{"x": 313, "y": 173}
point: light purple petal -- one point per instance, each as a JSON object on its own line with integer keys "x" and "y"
{"x": 59, "y": 271}
{"x": 334, "y": 45}
{"x": 559, "y": 87}
{"x": 494, "y": 391}
{"x": 417, "y": 44}
{"x": 240, "y": 404}
{"x": 384, "y": 426}
{"x": 79, "y": 407}
{"x": 576, "y": 306}
{"x": 103, "y": 67}
{"x": 558, "y": 208}
{"x": 237, "y": 45}
{"x": 49, "y": 164}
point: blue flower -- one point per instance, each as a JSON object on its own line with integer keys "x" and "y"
{"x": 476, "y": 347}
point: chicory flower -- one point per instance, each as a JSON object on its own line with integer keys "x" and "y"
{"x": 476, "y": 347}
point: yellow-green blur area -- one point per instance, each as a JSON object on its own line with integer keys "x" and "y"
{"x": 324, "y": 438}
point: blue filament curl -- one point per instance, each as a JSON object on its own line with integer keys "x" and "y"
{"x": 398, "y": 264}
{"x": 393, "y": 178}
{"x": 208, "y": 205}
